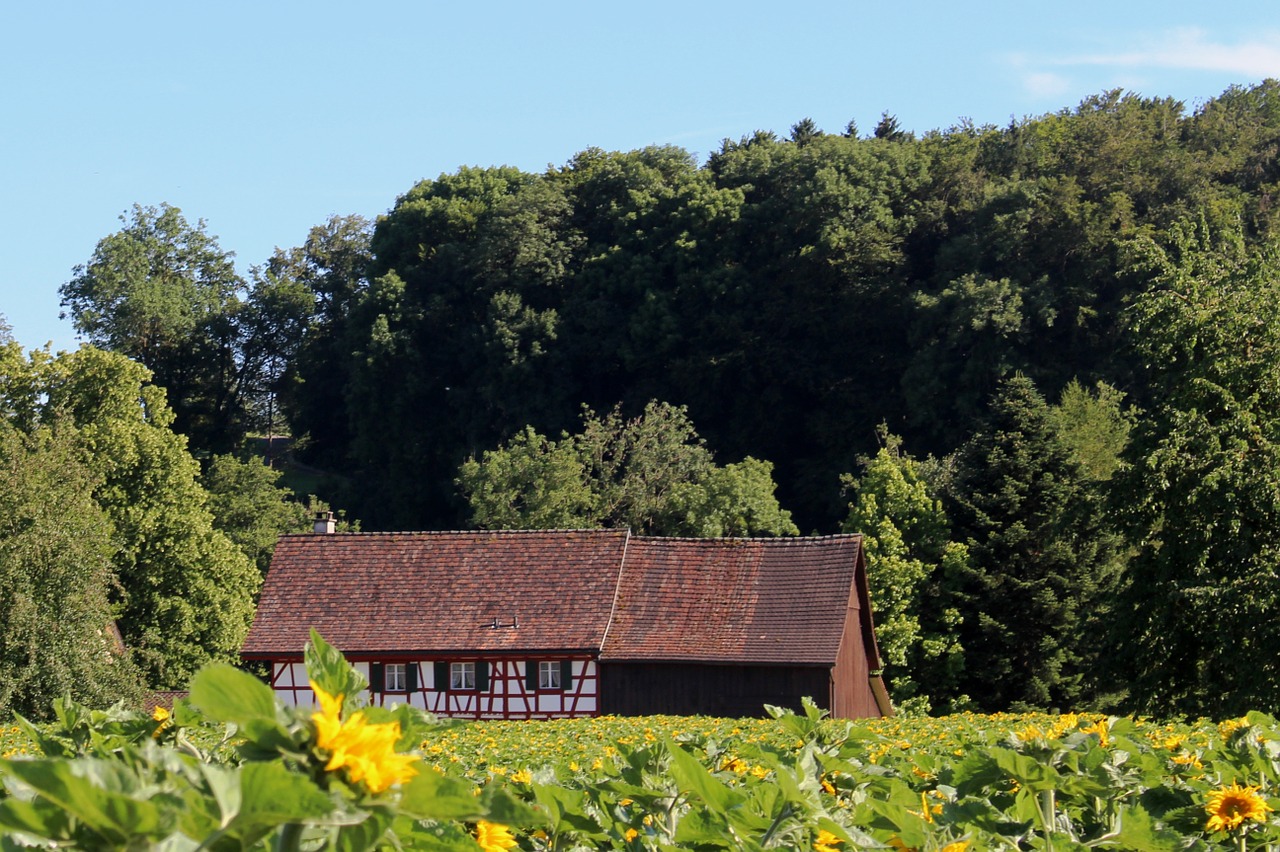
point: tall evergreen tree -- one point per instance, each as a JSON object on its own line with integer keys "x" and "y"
{"x": 805, "y": 131}
{"x": 1041, "y": 560}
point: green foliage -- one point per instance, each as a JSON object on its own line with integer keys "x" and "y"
{"x": 911, "y": 562}
{"x": 466, "y": 271}
{"x": 530, "y": 483}
{"x": 162, "y": 292}
{"x": 651, "y": 473}
{"x": 117, "y": 779}
{"x": 57, "y": 628}
{"x": 1042, "y": 562}
{"x": 332, "y": 268}
{"x": 734, "y": 500}
{"x": 149, "y": 287}
{"x": 791, "y": 293}
{"x": 183, "y": 594}
{"x": 188, "y": 592}
{"x": 135, "y": 782}
{"x": 640, "y": 467}
{"x": 1200, "y": 498}
{"x": 988, "y": 320}
{"x": 272, "y": 326}
{"x": 250, "y": 507}
{"x": 1094, "y": 427}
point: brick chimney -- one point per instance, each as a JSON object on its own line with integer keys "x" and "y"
{"x": 324, "y": 523}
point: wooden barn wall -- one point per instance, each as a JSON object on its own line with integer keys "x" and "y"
{"x": 858, "y": 656}
{"x": 642, "y": 689}
{"x": 852, "y": 697}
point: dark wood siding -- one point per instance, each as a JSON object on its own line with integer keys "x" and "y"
{"x": 852, "y": 697}
{"x": 642, "y": 689}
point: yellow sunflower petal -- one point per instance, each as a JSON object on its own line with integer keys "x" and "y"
{"x": 494, "y": 837}
{"x": 1229, "y": 807}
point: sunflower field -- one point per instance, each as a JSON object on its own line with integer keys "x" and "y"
{"x": 231, "y": 768}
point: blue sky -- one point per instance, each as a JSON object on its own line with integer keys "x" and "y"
{"x": 264, "y": 119}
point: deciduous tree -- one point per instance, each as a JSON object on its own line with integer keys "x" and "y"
{"x": 911, "y": 566}
{"x": 250, "y": 507}
{"x": 185, "y": 593}
{"x": 650, "y": 473}
{"x": 1197, "y": 627}
{"x": 57, "y": 627}
{"x": 162, "y": 292}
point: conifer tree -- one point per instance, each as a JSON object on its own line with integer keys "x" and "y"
{"x": 1041, "y": 561}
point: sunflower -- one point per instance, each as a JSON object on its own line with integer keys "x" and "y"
{"x": 1229, "y": 807}
{"x": 1101, "y": 729}
{"x": 365, "y": 750}
{"x": 826, "y": 841}
{"x": 494, "y": 837}
{"x": 161, "y": 715}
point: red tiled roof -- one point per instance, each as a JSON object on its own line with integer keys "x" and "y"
{"x": 439, "y": 591}
{"x": 781, "y": 600}
{"x": 164, "y": 699}
{"x": 630, "y": 598}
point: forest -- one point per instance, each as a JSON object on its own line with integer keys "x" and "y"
{"x": 1037, "y": 366}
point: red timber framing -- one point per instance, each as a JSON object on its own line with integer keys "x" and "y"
{"x": 504, "y": 688}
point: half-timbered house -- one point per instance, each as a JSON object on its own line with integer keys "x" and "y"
{"x": 556, "y": 623}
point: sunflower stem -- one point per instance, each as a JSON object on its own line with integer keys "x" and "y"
{"x": 289, "y": 838}
{"x": 1047, "y": 817}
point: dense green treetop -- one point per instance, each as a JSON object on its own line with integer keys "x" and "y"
{"x": 184, "y": 593}
{"x": 332, "y": 268}
{"x": 1202, "y": 495}
{"x": 911, "y": 564}
{"x": 149, "y": 287}
{"x": 162, "y": 292}
{"x": 652, "y": 474}
{"x": 57, "y": 625}
{"x": 250, "y": 508}
{"x": 1095, "y": 428}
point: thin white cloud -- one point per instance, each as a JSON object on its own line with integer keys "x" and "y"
{"x": 1046, "y": 85}
{"x": 1191, "y": 49}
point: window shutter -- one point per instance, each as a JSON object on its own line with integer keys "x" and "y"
{"x": 442, "y": 676}
{"x": 377, "y": 679}
{"x": 482, "y": 676}
{"x": 566, "y": 675}
{"x": 411, "y": 677}
{"x": 531, "y": 675}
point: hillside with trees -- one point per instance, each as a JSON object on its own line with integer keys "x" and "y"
{"x": 1036, "y": 365}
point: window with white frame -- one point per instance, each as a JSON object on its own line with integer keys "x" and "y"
{"x": 394, "y": 679}
{"x": 462, "y": 675}
{"x": 548, "y": 674}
